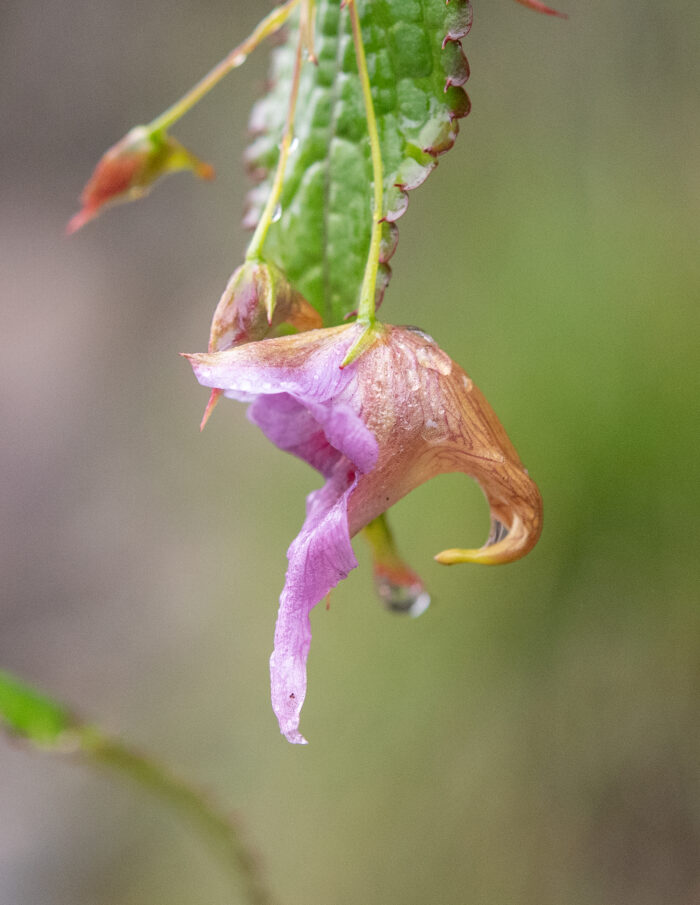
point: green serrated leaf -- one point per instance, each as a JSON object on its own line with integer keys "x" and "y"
{"x": 31, "y": 715}
{"x": 416, "y": 69}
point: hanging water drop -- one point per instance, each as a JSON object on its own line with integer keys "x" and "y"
{"x": 407, "y": 599}
{"x": 276, "y": 214}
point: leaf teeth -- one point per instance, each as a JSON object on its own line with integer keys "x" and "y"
{"x": 383, "y": 280}
{"x": 390, "y": 239}
{"x": 399, "y": 205}
{"x": 458, "y": 67}
{"x": 461, "y": 17}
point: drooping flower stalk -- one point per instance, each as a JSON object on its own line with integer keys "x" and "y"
{"x": 129, "y": 169}
{"x": 366, "y": 307}
{"x": 254, "y": 251}
{"x": 231, "y": 304}
{"x": 307, "y": 28}
{"x": 272, "y": 22}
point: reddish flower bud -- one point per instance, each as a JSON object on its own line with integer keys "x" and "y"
{"x": 258, "y": 298}
{"x": 129, "y": 169}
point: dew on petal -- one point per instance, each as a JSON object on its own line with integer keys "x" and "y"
{"x": 434, "y": 358}
{"x": 413, "y": 380}
{"x": 420, "y": 332}
{"x": 434, "y": 431}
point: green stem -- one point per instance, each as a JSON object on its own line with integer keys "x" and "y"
{"x": 213, "y": 824}
{"x": 271, "y": 23}
{"x": 254, "y": 250}
{"x": 379, "y": 536}
{"x": 366, "y": 307}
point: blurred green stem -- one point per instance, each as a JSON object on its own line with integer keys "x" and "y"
{"x": 254, "y": 250}
{"x": 216, "y": 826}
{"x": 30, "y": 715}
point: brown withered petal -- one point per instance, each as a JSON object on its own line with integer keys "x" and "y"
{"x": 429, "y": 418}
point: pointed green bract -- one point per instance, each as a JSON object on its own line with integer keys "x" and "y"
{"x": 30, "y": 715}
{"x": 416, "y": 66}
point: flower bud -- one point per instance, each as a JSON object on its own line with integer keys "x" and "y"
{"x": 258, "y": 298}
{"x": 129, "y": 169}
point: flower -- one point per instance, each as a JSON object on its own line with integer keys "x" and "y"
{"x": 399, "y": 414}
{"x": 129, "y": 168}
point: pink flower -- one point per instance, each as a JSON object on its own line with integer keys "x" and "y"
{"x": 399, "y": 414}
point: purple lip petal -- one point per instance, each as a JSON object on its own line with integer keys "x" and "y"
{"x": 294, "y": 404}
{"x": 319, "y": 557}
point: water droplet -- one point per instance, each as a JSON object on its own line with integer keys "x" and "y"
{"x": 433, "y": 431}
{"x": 420, "y": 332}
{"x": 294, "y": 144}
{"x": 499, "y": 531}
{"x": 276, "y": 214}
{"x": 413, "y": 380}
{"x": 434, "y": 358}
{"x": 409, "y": 600}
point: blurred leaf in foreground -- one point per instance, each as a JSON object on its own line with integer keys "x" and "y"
{"x": 28, "y": 714}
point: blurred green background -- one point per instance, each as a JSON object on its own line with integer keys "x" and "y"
{"x": 534, "y": 738}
